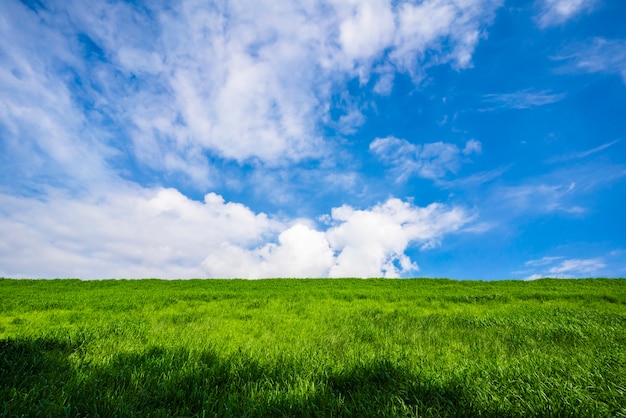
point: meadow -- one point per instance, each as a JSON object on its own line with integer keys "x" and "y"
{"x": 361, "y": 348}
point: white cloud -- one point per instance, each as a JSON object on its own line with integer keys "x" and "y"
{"x": 245, "y": 79}
{"x": 300, "y": 252}
{"x": 46, "y": 134}
{"x": 578, "y": 266}
{"x": 280, "y": 63}
{"x": 360, "y": 243}
{"x": 475, "y": 180}
{"x": 598, "y": 55}
{"x": 239, "y": 80}
{"x": 130, "y": 233}
{"x": 542, "y": 261}
{"x": 423, "y": 26}
{"x": 561, "y": 267}
{"x": 348, "y": 123}
{"x": 137, "y": 233}
{"x": 371, "y": 243}
{"x": 556, "y": 12}
{"x": 386, "y": 77}
{"x": 432, "y": 161}
{"x": 584, "y": 154}
{"x": 525, "y": 99}
{"x": 367, "y": 29}
{"x": 568, "y": 190}
{"x": 541, "y": 198}
{"x": 473, "y": 147}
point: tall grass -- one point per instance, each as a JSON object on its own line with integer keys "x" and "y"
{"x": 312, "y": 348}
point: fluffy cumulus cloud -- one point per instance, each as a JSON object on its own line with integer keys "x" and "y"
{"x": 358, "y": 243}
{"x": 129, "y": 233}
{"x": 161, "y": 233}
{"x": 371, "y": 243}
{"x": 300, "y": 252}
{"x": 367, "y": 29}
{"x": 431, "y": 161}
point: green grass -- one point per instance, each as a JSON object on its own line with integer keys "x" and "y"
{"x": 313, "y": 348}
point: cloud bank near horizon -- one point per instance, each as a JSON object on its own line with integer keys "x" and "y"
{"x": 161, "y": 233}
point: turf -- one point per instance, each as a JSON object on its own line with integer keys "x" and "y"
{"x": 313, "y": 348}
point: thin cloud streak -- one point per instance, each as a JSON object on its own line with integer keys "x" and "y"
{"x": 597, "y": 55}
{"x": 583, "y": 154}
{"x": 525, "y": 99}
{"x": 557, "y": 12}
{"x": 566, "y": 191}
{"x": 541, "y": 198}
{"x": 563, "y": 268}
{"x": 475, "y": 180}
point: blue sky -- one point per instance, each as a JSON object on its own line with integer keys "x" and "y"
{"x": 471, "y": 139}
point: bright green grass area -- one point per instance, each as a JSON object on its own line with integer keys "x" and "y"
{"x": 313, "y": 348}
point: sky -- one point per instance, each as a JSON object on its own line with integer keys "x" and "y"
{"x": 468, "y": 139}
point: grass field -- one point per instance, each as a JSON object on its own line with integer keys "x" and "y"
{"x": 313, "y": 348}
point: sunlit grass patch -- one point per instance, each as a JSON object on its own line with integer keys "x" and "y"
{"x": 313, "y": 348}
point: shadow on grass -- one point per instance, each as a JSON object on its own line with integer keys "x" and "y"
{"x": 47, "y": 378}
{"x": 34, "y": 377}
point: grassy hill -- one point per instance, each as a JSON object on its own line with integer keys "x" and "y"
{"x": 313, "y": 348}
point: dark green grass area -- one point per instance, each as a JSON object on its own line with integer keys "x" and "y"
{"x": 313, "y": 348}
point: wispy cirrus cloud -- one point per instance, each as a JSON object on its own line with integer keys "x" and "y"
{"x": 476, "y": 179}
{"x": 431, "y": 161}
{"x": 524, "y": 99}
{"x": 233, "y": 80}
{"x": 47, "y": 139}
{"x": 427, "y": 24}
{"x": 584, "y": 154}
{"x": 597, "y": 55}
{"x": 562, "y": 267}
{"x": 542, "y": 198}
{"x": 556, "y": 12}
{"x": 566, "y": 190}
